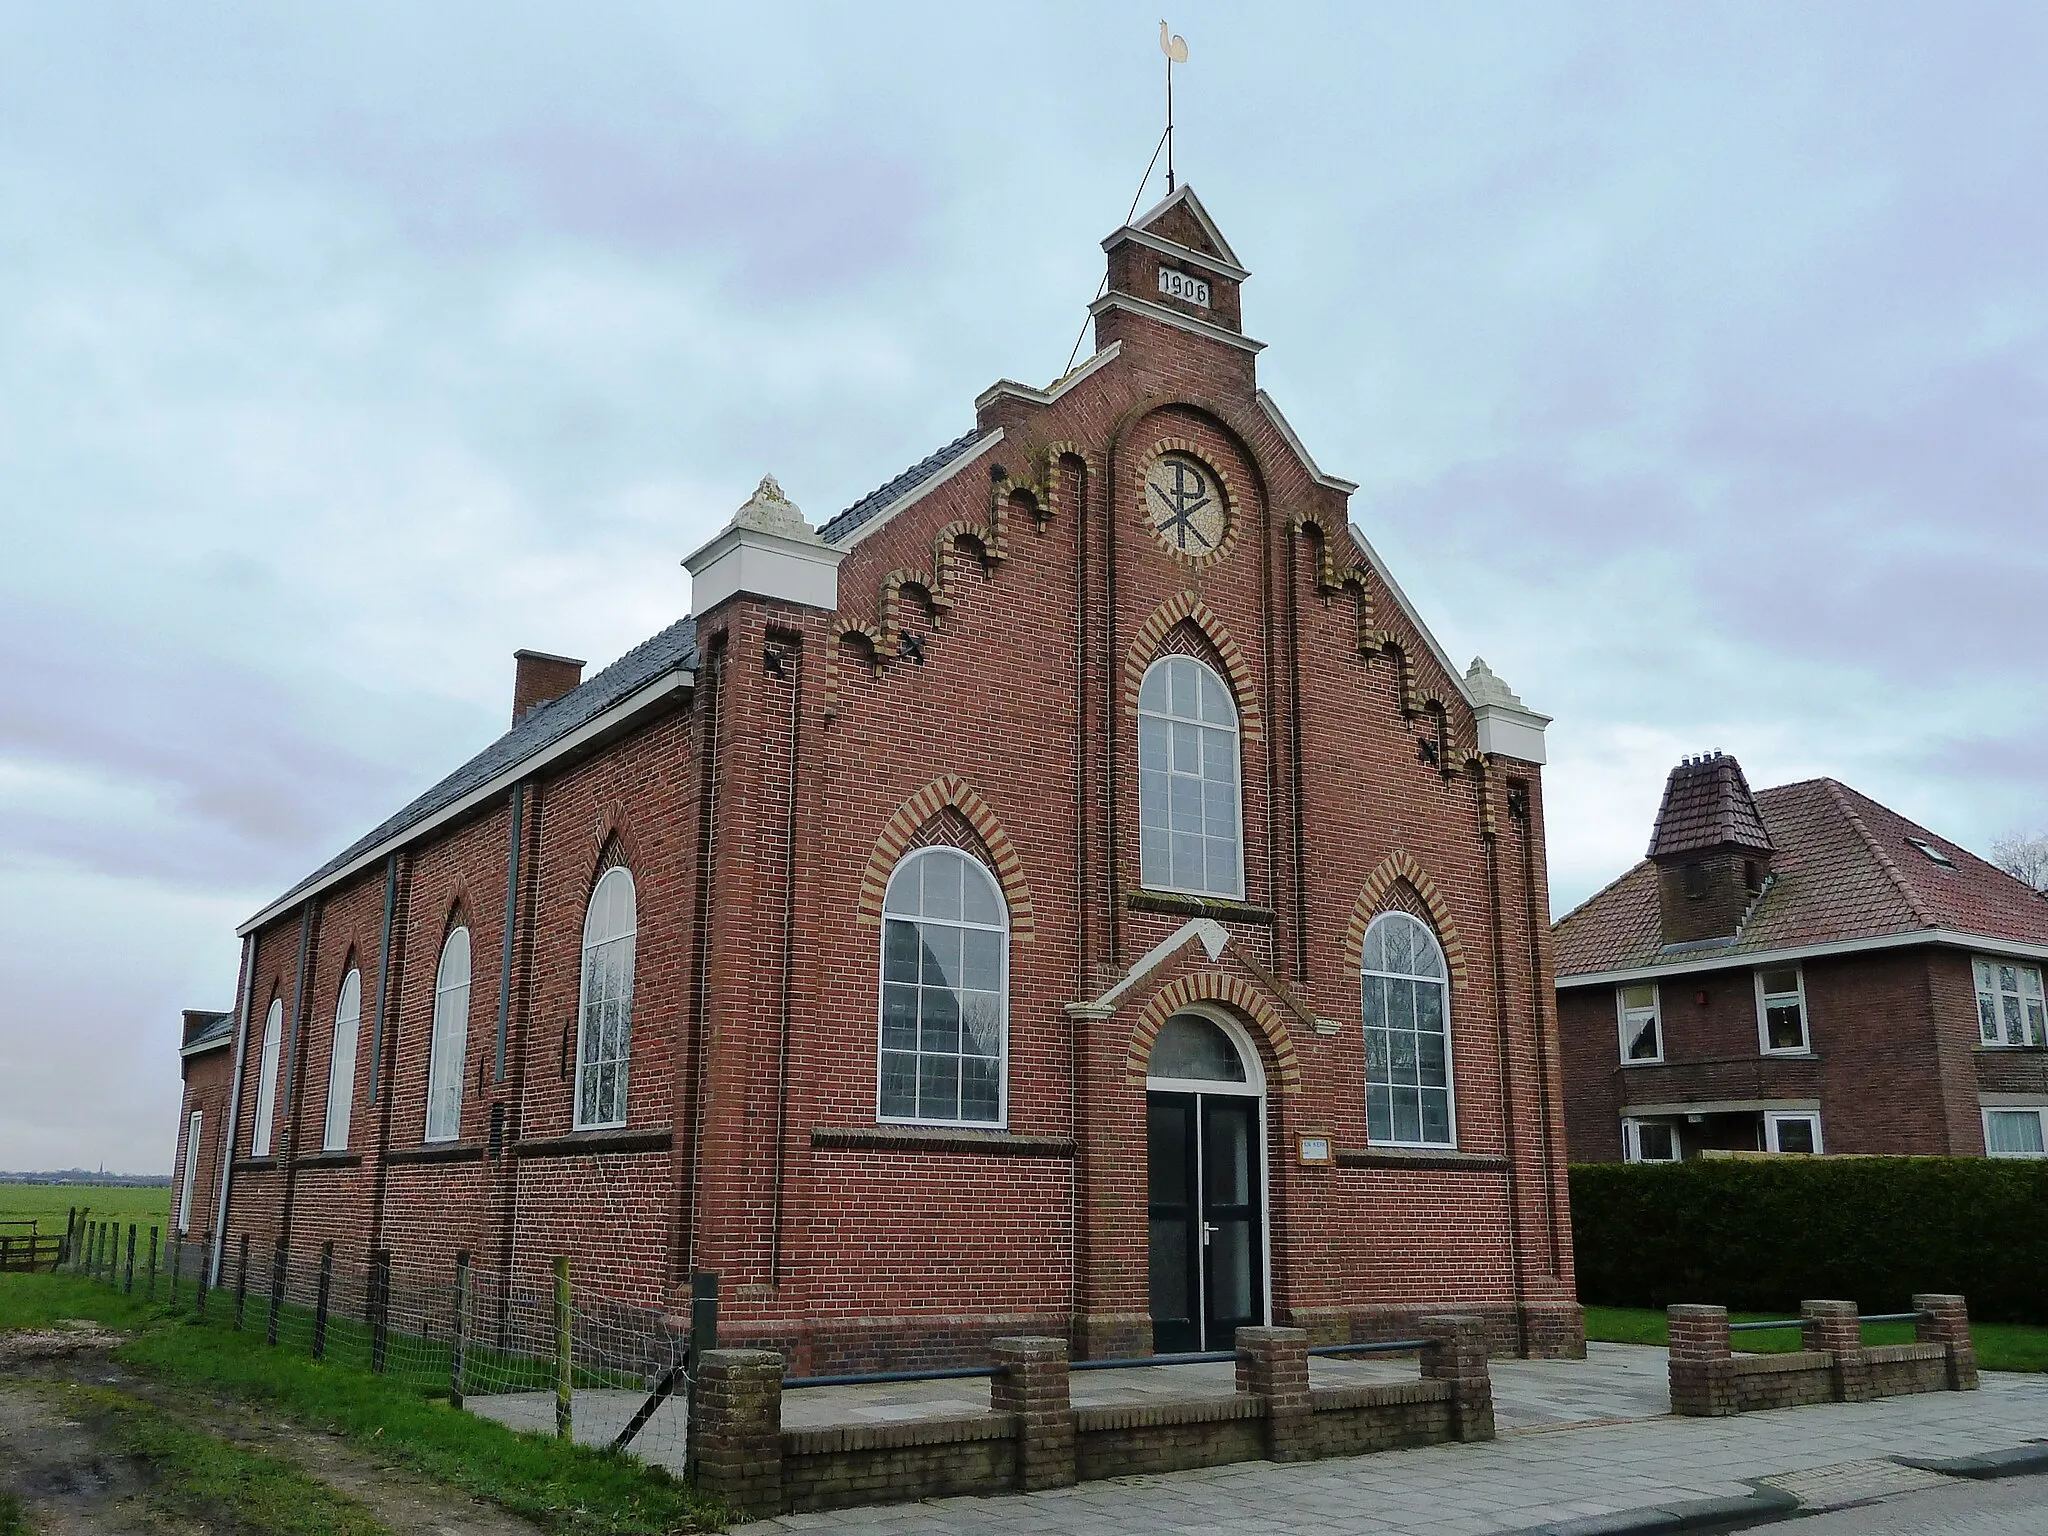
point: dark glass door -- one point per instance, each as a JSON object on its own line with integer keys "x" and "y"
{"x": 1207, "y": 1260}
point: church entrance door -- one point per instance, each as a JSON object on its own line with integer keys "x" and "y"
{"x": 1205, "y": 1126}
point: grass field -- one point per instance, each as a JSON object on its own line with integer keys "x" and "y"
{"x": 47, "y": 1204}
{"x": 2000, "y": 1346}
{"x": 563, "y": 1488}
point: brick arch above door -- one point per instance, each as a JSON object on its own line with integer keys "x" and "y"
{"x": 1243, "y": 998}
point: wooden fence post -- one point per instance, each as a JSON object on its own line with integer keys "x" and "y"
{"x": 461, "y": 1329}
{"x": 320, "y": 1304}
{"x": 380, "y": 1307}
{"x": 64, "y": 1255}
{"x": 565, "y": 1346}
{"x": 242, "y": 1284}
{"x": 177, "y": 1264}
{"x": 77, "y": 1254}
{"x": 128, "y": 1277}
{"x": 277, "y": 1261}
{"x": 152, "y": 1263}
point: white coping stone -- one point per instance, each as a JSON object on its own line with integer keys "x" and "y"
{"x": 1507, "y": 726}
{"x": 767, "y": 550}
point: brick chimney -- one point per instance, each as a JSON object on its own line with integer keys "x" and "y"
{"x": 1711, "y": 849}
{"x": 541, "y": 679}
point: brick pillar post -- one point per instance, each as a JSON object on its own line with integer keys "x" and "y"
{"x": 1457, "y": 1354}
{"x": 1945, "y": 1320}
{"x": 1031, "y": 1382}
{"x": 1272, "y": 1363}
{"x": 1832, "y": 1326}
{"x": 735, "y": 1451}
{"x": 1702, "y": 1368}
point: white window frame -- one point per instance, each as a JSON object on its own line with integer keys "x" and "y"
{"x": 2039, "y": 1111}
{"x": 2036, "y": 1029}
{"x": 1622, "y": 1013}
{"x": 909, "y": 861}
{"x": 192, "y": 1129}
{"x": 1763, "y": 1013}
{"x": 263, "y": 1121}
{"x": 1450, "y": 1053}
{"x": 605, "y": 948}
{"x": 1774, "y": 1118}
{"x": 1632, "y": 1141}
{"x": 448, "y": 1057}
{"x": 341, "y": 1063}
{"x": 1236, "y": 728}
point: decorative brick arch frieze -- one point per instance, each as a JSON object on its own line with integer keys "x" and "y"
{"x": 1151, "y": 638}
{"x": 912, "y": 815}
{"x": 1399, "y": 866}
{"x": 986, "y": 542}
{"x": 1240, "y": 996}
{"x": 1331, "y": 575}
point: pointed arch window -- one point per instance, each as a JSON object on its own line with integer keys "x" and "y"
{"x": 451, "y": 1039}
{"x": 1190, "y": 830}
{"x": 341, "y": 1065}
{"x": 604, "y": 1044}
{"x": 945, "y": 992}
{"x": 1408, "y": 1096}
{"x": 266, "y": 1080}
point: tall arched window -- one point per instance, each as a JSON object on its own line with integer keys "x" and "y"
{"x": 451, "y": 1039}
{"x": 341, "y": 1066}
{"x": 604, "y": 1041}
{"x": 1407, "y": 1035}
{"x": 266, "y": 1080}
{"x": 1189, "y": 827}
{"x": 945, "y": 991}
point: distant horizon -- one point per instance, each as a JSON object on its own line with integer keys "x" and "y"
{"x": 84, "y": 1176}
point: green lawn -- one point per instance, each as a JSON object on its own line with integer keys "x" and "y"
{"x": 562, "y": 1487}
{"x": 2000, "y": 1346}
{"x": 47, "y": 1204}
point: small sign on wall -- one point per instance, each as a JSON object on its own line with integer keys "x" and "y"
{"x": 1315, "y": 1151}
{"x": 1178, "y": 285}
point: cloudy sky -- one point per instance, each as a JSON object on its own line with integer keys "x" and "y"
{"x": 1692, "y": 361}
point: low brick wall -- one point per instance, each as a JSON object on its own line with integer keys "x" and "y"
{"x": 1709, "y": 1381}
{"x": 1032, "y": 1436}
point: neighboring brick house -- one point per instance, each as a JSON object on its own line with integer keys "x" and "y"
{"x": 1070, "y": 891}
{"x": 1802, "y": 970}
{"x": 204, "y": 1064}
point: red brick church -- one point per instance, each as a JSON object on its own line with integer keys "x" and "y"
{"x": 1069, "y": 891}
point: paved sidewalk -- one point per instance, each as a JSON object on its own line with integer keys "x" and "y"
{"x": 1527, "y": 1478}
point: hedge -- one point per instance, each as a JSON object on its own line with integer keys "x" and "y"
{"x": 1762, "y": 1235}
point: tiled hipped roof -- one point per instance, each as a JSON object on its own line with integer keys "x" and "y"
{"x": 1843, "y": 869}
{"x": 882, "y": 495}
{"x": 1707, "y": 804}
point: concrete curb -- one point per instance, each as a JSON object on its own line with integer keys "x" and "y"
{"x": 1729, "y": 1514}
{"x": 2020, "y": 1461}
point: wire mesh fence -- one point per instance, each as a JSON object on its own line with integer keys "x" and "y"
{"x": 537, "y": 1357}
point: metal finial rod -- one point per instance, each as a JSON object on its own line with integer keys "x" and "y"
{"x": 1176, "y": 50}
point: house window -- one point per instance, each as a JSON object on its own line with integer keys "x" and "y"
{"x": 451, "y": 1039}
{"x": 1642, "y": 1034}
{"x": 341, "y": 1066}
{"x": 2016, "y": 1132}
{"x": 1792, "y": 1131}
{"x": 1781, "y": 1011}
{"x": 945, "y": 980}
{"x": 1188, "y": 823}
{"x": 604, "y": 1041}
{"x": 1649, "y": 1141}
{"x": 2010, "y": 1010}
{"x": 266, "y": 1080}
{"x": 1407, "y": 1035}
{"x": 1695, "y": 880}
{"x": 191, "y": 1173}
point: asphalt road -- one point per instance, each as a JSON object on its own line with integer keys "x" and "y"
{"x": 2018, "y": 1507}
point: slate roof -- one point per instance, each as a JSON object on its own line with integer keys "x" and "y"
{"x": 203, "y": 1027}
{"x": 542, "y": 728}
{"x": 1844, "y": 869}
{"x": 882, "y": 495}
{"x": 1707, "y": 804}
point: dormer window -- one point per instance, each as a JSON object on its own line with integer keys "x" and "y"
{"x": 1695, "y": 881}
{"x": 1752, "y": 880}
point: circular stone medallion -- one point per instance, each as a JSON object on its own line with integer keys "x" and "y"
{"x": 1184, "y": 504}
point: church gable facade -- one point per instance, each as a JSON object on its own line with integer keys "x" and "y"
{"x": 1068, "y": 892}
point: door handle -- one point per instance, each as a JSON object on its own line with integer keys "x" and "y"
{"x": 1209, "y": 1230}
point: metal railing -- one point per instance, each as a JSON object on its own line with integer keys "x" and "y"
{"x": 1795, "y": 1322}
{"x": 1135, "y": 1362}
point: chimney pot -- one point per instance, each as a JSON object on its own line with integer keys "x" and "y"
{"x": 541, "y": 679}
